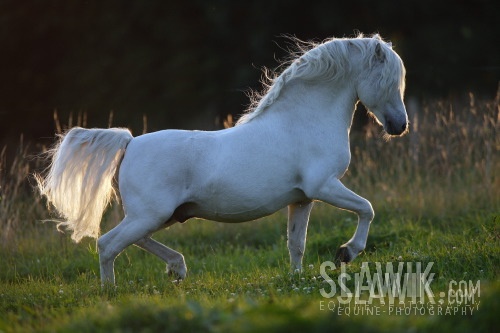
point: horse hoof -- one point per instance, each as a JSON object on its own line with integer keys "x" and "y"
{"x": 177, "y": 271}
{"x": 343, "y": 255}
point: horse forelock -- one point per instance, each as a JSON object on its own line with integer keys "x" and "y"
{"x": 326, "y": 61}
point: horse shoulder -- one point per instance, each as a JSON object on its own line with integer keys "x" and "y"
{"x": 332, "y": 162}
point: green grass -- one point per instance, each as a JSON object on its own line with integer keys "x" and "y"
{"x": 239, "y": 277}
{"x": 436, "y": 195}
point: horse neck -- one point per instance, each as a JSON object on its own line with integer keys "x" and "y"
{"x": 322, "y": 103}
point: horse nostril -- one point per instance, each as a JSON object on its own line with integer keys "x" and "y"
{"x": 392, "y": 128}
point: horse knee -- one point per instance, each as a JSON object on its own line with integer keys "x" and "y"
{"x": 366, "y": 212}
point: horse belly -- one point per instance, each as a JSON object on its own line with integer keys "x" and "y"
{"x": 235, "y": 206}
{"x": 233, "y": 212}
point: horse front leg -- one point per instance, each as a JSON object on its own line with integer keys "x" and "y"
{"x": 298, "y": 218}
{"x": 336, "y": 194}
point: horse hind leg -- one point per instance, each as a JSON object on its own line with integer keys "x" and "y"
{"x": 176, "y": 266}
{"x": 111, "y": 244}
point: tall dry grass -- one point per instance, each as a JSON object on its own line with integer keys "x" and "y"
{"x": 19, "y": 207}
{"x": 447, "y": 165}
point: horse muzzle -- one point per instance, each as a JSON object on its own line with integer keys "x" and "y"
{"x": 397, "y": 128}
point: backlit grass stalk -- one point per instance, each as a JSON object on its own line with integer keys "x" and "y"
{"x": 18, "y": 207}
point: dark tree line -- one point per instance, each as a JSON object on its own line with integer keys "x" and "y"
{"x": 187, "y": 63}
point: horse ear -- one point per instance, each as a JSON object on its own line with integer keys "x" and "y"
{"x": 379, "y": 53}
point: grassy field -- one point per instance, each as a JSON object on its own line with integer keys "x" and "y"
{"x": 436, "y": 199}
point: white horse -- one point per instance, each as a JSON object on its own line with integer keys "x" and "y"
{"x": 290, "y": 150}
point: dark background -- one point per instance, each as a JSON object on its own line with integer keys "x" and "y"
{"x": 186, "y": 64}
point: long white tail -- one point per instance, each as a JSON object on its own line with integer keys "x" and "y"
{"x": 79, "y": 182}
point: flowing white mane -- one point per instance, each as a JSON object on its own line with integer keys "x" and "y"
{"x": 326, "y": 61}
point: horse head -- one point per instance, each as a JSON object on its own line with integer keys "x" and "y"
{"x": 380, "y": 87}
